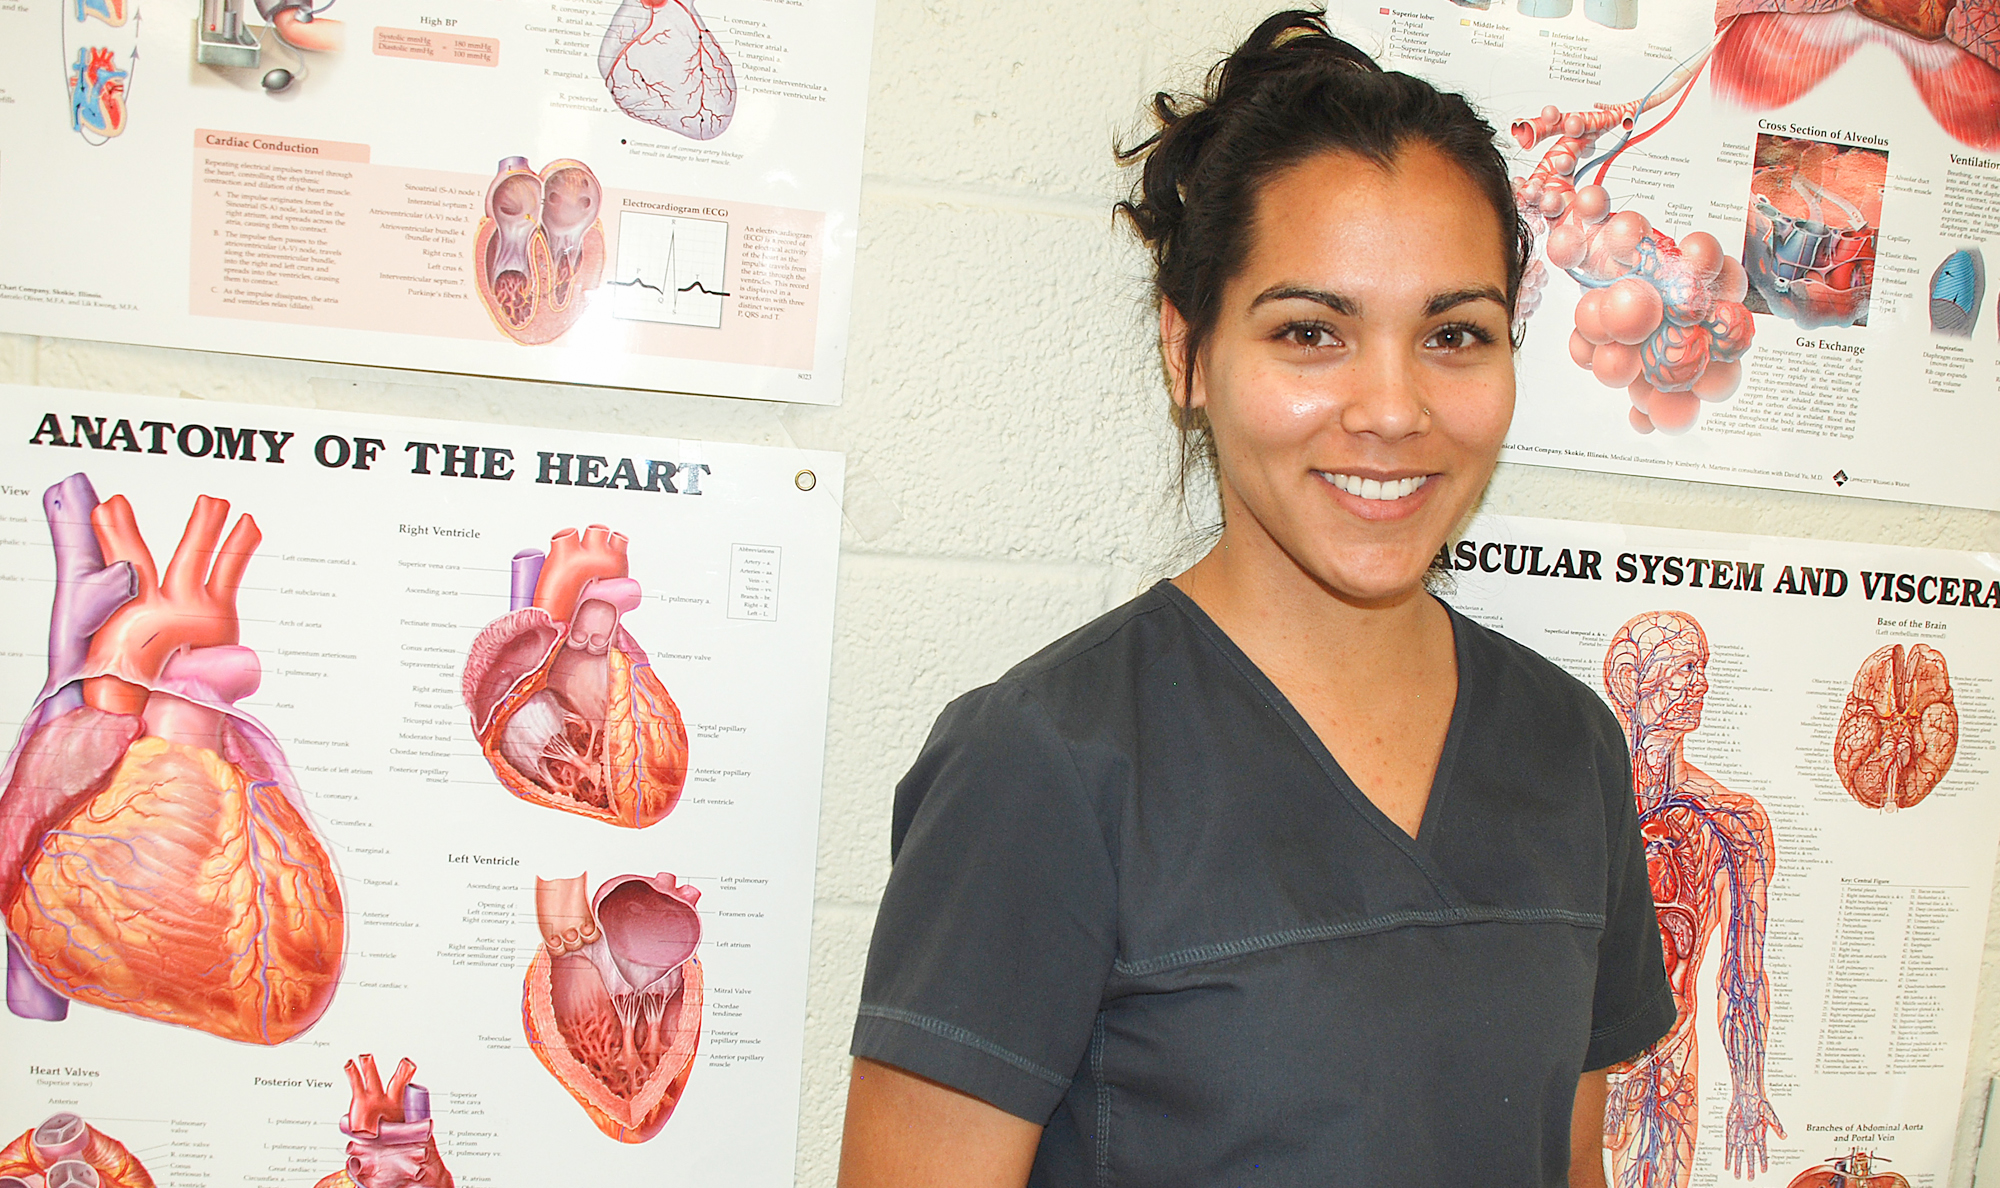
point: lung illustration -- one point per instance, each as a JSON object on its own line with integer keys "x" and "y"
{"x": 388, "y": 1129}
{"x": 1958, "y": 287}
{"x": 1899, "y": 729}
{"x": 612, "y": 1004}
{"x": 67, "y": 1152}
{"x": 566, "y": 706}
{"x": 663, "y": 66}
{"x": 156, "y": 857}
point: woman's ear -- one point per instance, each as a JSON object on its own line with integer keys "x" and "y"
{"x": 1173, "y": 349}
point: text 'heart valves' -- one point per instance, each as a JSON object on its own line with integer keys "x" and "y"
{"x": 1899, "y": 729}
{"x": 67, "y": 1152}
{"x": 156, "y": 857}
{"x": 565, "y": 703}
{"x": 663, "y": 66}
{"x": 540, "y": 249}
{"x": 612, "y": 1004}
{"x": 389, "y": 1132}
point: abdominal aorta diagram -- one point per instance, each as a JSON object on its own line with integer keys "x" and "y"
{"x": 156, "y": 858}
{"x": 540, "y": 248}
{"x": 388, "y": 1129}
{"x": 100, "y": 51}
{"x": 1898, "y": 731}
{"x": 67, "y": 1152}
{"x": 565, "y": 703}
{"x": 612, "y": 1004}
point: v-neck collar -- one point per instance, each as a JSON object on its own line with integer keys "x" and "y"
{"x": 1435, "y": 804}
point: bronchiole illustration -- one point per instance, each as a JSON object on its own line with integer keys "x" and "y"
{"x": 565, "y": 703}
{"x": 1850, "y": 1171}
{"x": 612, "y": 1004}
{"x": 540, "y": 248}
{"x": 1709, "y": 857}
{"x": 1899, "y": 729}
{"x": 156, "y": 858}
{"x": 663, "y": 66}
{"x": 1810, "y": 243}
{"x": 100, "y": 52}
{"x": 388, "y": 1129}
{"x": 67, "y": 1152}
{"x": 1958, "y": 289}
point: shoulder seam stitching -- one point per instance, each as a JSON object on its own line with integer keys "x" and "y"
{"x": 1387, "y": 922}
{"x": 959, "y": 1035}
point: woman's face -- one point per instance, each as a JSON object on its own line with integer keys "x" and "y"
{"x": 1359, "y": 378}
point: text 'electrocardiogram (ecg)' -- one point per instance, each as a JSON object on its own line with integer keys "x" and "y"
{"x": 670, "y": 269}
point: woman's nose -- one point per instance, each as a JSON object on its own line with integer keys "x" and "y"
{"x": 1387, "y": 399}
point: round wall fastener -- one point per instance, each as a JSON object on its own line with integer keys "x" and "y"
{"x": 805, "y": 480}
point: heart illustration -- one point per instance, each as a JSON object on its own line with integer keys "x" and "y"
{"x": 564, "y": 701}
{"x": 155, "y": 855}
{"x": 540, "y": 248}
{"x": 1899, "y": 728}
{"x": 388, "y": 1129}
{"x": 663, "y": 66}
{"x": 67, "y": 1152}
{"x": 612, "y": 1004}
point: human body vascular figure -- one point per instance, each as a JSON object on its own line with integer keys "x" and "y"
{"x": 1709, "y": 856}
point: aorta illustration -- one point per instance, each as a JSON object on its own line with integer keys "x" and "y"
{"x": 67, "y": 1152}
{"x": 156, "y": 857}
{"x": 540, "y": 248}
{"x": 1898, "y": 731}
{"x": 564, "y": 701}
{"x": 612, "y": 1004}
{"x": 389, "y": 1131}
{"x": 1709, "y": 857}
{"x": 100, "y": 51}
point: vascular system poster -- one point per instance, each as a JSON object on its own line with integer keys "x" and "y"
{"x": 640, "y": 193}
{"x": 1762, "y": 231}
{"x": 394, "y": 802}
{"x": 1811, "y": 727}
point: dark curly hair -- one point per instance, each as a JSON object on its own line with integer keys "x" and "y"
{"x": 1291, "y": 91}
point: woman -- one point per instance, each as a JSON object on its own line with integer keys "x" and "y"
{"x": 1283, "y": 872}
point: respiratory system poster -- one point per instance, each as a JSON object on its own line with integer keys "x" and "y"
{"x": 1762, "y": 231}
{"x": 394, "y": 802}
{"x": 1811, "y": 728}
{"x": 639, "y": 193}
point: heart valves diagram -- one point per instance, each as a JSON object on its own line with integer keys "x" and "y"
{"x": 67, "y": 1152}
{"x": 612, "y": 1004}
{"x": 156, "y": 857}
{"x": 1898, "y": 731}
{"x": 540, "y": 248}
{"x": 389, "y": 1131}
{"x": 565, "y": 703}
{"x": 100, "y": 52}
{"x": 663, "y": 66}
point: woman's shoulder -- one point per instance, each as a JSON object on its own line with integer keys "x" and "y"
{"x": 1516, "y": 677}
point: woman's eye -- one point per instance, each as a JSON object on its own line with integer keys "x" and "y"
{"x": 1307, "y": 334}
{"x": 1459, "y": 336}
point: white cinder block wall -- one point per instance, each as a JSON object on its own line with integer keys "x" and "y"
{"x": 1009, "y": 461}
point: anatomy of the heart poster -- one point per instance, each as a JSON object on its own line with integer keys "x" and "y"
{"x": 658, "y": 194}
{"x": 1811, "y": 734}
{"x": 392, "y": 802}
{"x": 1762, "y": 230}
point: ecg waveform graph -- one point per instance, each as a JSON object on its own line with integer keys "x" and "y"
{"x": 670, "y": 269}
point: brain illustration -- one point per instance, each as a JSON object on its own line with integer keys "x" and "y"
{"x": 1899, "y": 729}
{"x": 540, "y": 248}
{"x": 663, "y": 66}
{"x": 156, "y": 858}
{"x": 612, "y": 1004}
{"x": 565, "y": 703}
{"x": 388, "y": 1129}
{"x": 67, "y": 1152}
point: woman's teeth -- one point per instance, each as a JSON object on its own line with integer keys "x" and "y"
{"x": 1374, "y": 488}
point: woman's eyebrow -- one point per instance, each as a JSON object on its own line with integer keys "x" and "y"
{"x": 1457, "y": 297}
{"x": 1347, "y": 306}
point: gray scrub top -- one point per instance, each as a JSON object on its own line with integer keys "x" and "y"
{"x": 1136, "y": 900}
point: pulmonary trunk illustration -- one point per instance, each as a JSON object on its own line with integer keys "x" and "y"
{"x": 612, "y": 1004}
{"x": 67, "y": 1152}
{"x": 540, "y": 248}
{"x": 564, "y": 701}
{"x": 388, "y": 1129}
{"x": 663, "y": 66}
{"x": 1899, "y": 729}
{"x": 155, "y": 855}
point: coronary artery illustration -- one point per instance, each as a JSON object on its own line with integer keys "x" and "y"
{"x": 1709, "y": 856}
{"x": 1899, "y": 729}
{"x": 612, "y": 1004}
{"x": 155, "y": 855}
{"x": 540, "y": 248}
{"x": 663, "y": 66}
{"x": 388, "y": 1129}
{"x": 100, "y": 52}
{"x": 564, "y": 701}
{"x": 1857, "y": 1170}
{"x": 67, "y": 1152}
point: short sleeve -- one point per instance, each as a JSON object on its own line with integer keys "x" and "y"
{"x": 999, "y": 923}
{"x": 1634, "y": 1004}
